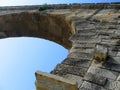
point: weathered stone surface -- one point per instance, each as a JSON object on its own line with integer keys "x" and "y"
{"x": 103, "y": 72}
{"x": 110, "y": 41}
{"x": 108, "y": 65}
{"x": 36, "y": 24}
{"x": 112, "y": 85}
{"x": 80, "y": 55}
{"x": 75, "y": 78}
{"x": 88, "y": 41}
{"x": 47, "y": 81}
{"x": 112, "y": 53}
{"x": 63, "y": 69}
{"x": 82, "y": 50}
{"x": 95, "y": 78}
{"x": 98, "y": 64}
{"x": 100, "y": 53}
{"x": 82, "y": 37}
{"x": 90, "y": 86}
{"x": 84, "y": 45}
{"x": 77, "y": 62}
{"x": 86, "y": 33}
{"x": 115, "y": 60}
{"x": 106, "y": 32}
{"x": 91, "y": 24}
{"x": 115, "y": 67}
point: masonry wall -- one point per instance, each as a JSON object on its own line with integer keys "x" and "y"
{"x": 94, "y": 59}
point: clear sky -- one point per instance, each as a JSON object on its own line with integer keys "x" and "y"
{"x": 37, "y": 2}
{"x": 21, "y": 57}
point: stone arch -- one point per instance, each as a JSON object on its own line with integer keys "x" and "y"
{"x": 56, "y": 28}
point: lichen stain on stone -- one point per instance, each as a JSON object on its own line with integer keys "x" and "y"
{"x": 98, "y": 56}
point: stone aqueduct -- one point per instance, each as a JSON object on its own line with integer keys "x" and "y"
{"x": 91, "y": 33}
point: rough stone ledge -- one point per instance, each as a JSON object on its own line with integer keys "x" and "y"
{"x": 45, "y": 81}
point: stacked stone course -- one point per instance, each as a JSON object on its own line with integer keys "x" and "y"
{"x": 94, "y": 58}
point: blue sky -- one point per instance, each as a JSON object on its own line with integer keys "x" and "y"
{"x": 21, "y": 57}
{"x": 37, "y": 2}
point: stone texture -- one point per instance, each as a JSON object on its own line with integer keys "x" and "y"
{"x": 103, "y": 72}
{"x": 75, "y": 78}
{"x": 47, "y": 81}
{"x": 90, "y": 86}
{"x": 112, "y": 85}
{"x": 115, "y": 60}
{"x": 95, "y": 78}
{"x": 100, "y": 53}
{"x": 80, "y": 55}
{"x": 63, "y": 69}
{"x": 77, "y": 62}
{"x": 36, "y": 24}
{"x": 84, "y": 45}
{"x": 81, "y": 26}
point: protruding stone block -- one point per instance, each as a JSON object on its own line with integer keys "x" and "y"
{"x": 45, "y": 81}
{"x": 90, "y": 86}
{"x": 97, "y": 79}
{"x": 100, "y": 53}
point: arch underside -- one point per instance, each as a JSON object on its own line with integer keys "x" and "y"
{"x": 35, "y": 24}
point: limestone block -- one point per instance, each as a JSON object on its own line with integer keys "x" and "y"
{"x": 112, "y": 52}
{"x": 103, "y": 72}
{"x": 82, "y": 50}
{"x": 116, "y": 67}
{"x": 76, "y": 78}
{"x": 90, "y": 86}
{"x": 112, "y": 85}
{"x": 107, "y": 65}
{"x": 95, "y": 78}
{"x": 97, "y": 64}
{"x": 84, "y": 45}
{"x": 80, "y": 55}
{"x": 45, "y": 81}
{"x": 104, "y": 36}
{"x": 91, "y": 41}
{"x": 115, "y": 60}
{"x": 100, "y": 53}
{"x": 110, "y": 41}
{"x": 63, "y": 69}
{"x": 77, "y": 62}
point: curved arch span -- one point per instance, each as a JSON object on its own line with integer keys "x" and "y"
{"x": 56, "y": 28}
